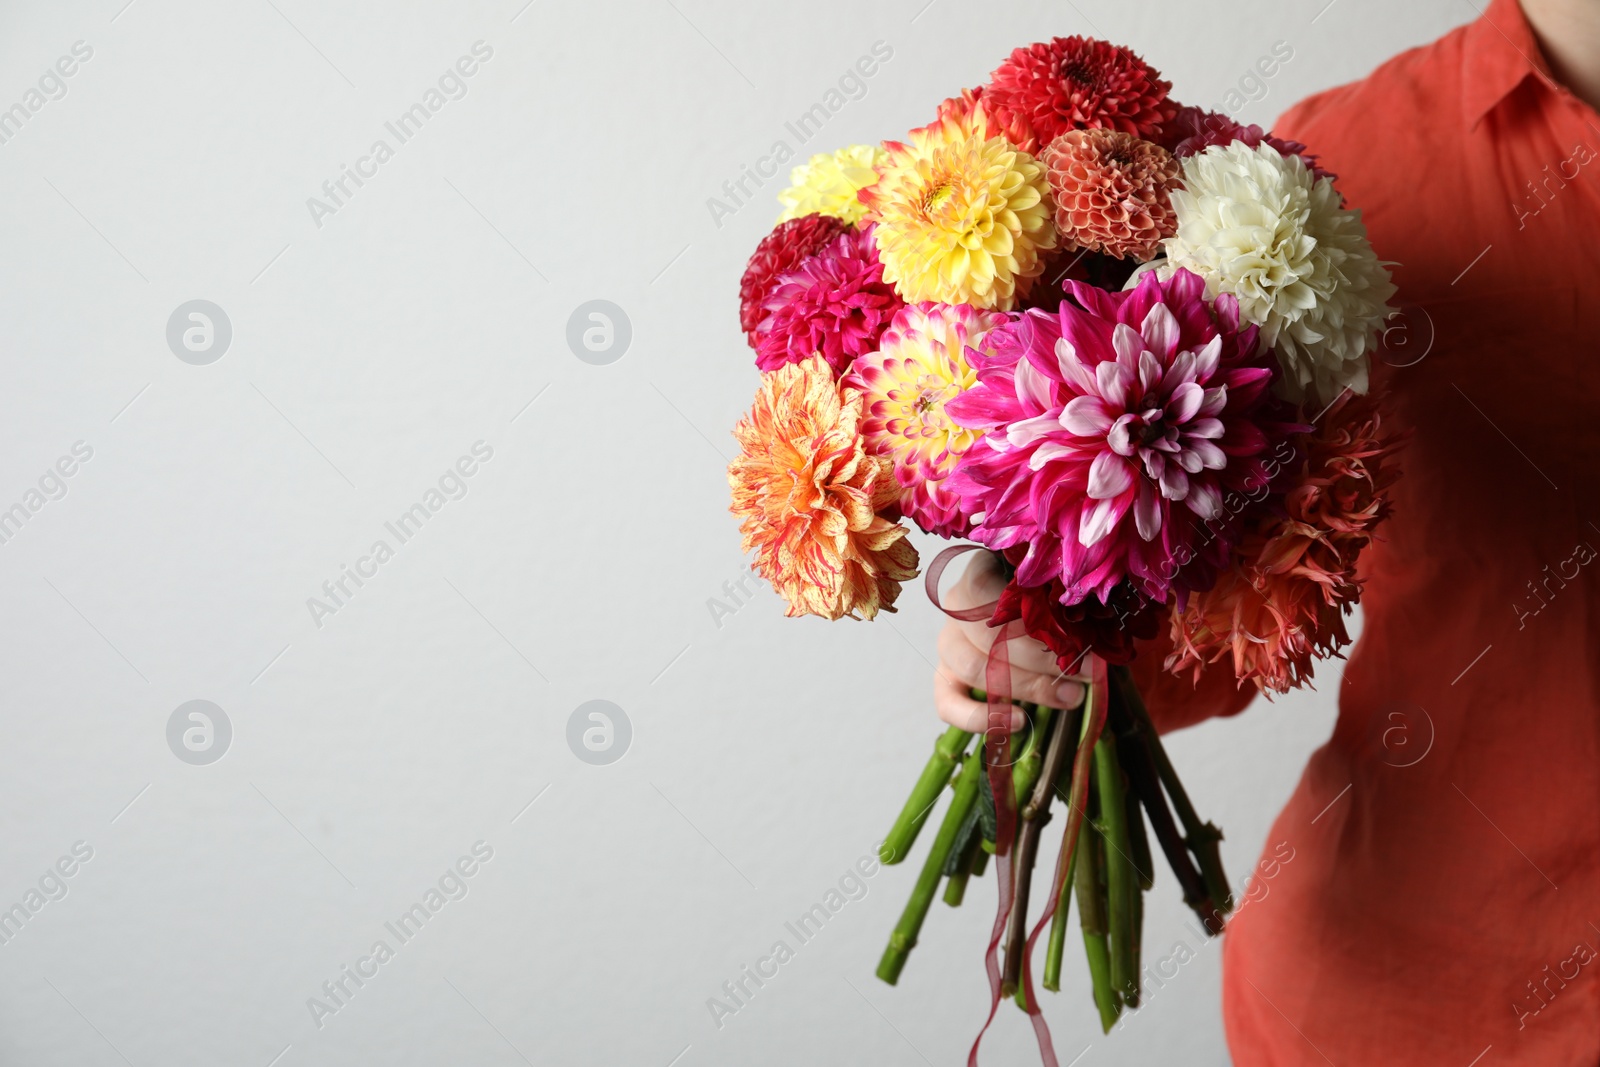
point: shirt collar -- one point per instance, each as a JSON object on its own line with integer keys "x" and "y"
{"x": 1500, "y": 52}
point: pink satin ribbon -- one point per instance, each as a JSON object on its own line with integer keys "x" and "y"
{"x": 998, "y": 760}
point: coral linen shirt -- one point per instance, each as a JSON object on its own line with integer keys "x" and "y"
{"x": 1443, "y": 902}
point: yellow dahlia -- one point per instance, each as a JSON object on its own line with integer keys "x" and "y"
{"x": 807, "y": 494}
{"x": 961, "y": 219}
{"x": 827, "y": 184}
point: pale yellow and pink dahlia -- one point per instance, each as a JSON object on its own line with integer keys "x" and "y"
{"x": 829, "y": 183}
{"x": 807, "y": 493}
{"x": 962, "y": 219}
{"x": 921, "y": 364}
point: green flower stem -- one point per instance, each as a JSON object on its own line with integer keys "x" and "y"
{"x": 955, "y": 888}
{"x": 1136, "y": 944}
{"x": 935, "y": 776}
{"x": 1145, "y": 866}
{"x": 963, "y": 856}
{"x": 1090, "y": 868}
{"x": 1122, "y": 880}
{"x": 1140, "y": 839}
{"x": 1039, "y": 775}
{"x": 1055, "y": 946}
{"x": 1025, "y": 771}
{"x": 904, "y": 937}
{"x": 1202, "y": 839}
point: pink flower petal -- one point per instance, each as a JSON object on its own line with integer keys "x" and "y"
{"x": 1109, "y": 475}
{"x": 1086, "y": 416}
{"x": 1097, "y": 522}
{"x": 1147, "y": 513}
{"x": 1032, "y": 385}
{"x": 1112, "y": 380}
{"x": 1207, "y": 359}
{"x": 1025, "y": 432}
{"x": 1182, "y": 370}
{"x": 1174, "y": 483}
{"x": 1120, "y": 437}
{"x": 1127, "y": 344}
{"x": 1211, "y": 457}
{"x": 1073, "y": 370}
{"x": 1185, "y": 402}
{"x": 1149, "y": 371}
{"x": 1160, "y": 331}
{"x": 1204, "y": 499}
{"x": 1048, "y": 451}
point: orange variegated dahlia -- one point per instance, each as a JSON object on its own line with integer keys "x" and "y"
{"x": 962, "y": 219}
{"x": 1282, "y": 604}
{"x": 807, "y": 494}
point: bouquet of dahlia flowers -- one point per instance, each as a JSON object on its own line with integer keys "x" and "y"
{"x": 1122, "y": 345}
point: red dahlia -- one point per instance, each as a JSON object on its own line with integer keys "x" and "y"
{"x": 779, "y": 252}
{"x": 834, "y": 302}
{"x": 1195, "y": 129}
{"x": 1079, "y": 83}
{"x": 1107, "y": 630}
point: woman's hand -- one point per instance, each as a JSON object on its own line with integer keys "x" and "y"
{"x": 964, "y": 652}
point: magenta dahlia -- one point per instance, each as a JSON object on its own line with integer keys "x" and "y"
{"x": 1194, "y": 129}
{"x": 1114, "y": 429}
{"x": 834, "y": 302}
{"x": 780, "y": 251}
{"x": 1079, "y": 83}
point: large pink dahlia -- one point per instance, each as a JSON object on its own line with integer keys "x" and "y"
{"x": 1114, "y": 430}
{"x": 920, "y": 366}
{"x": 834, "y": 302}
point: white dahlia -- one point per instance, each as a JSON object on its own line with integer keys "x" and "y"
{"x": 1258, "y": 224}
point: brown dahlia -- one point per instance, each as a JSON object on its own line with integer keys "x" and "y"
{"x": 1079, "y": 83}
{"x": 1111, "y": 191}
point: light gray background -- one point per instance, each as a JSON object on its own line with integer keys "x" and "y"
{"x": 367, "y": 356}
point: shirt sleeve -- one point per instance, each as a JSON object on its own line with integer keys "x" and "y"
{"x": 1175, "y": 702}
